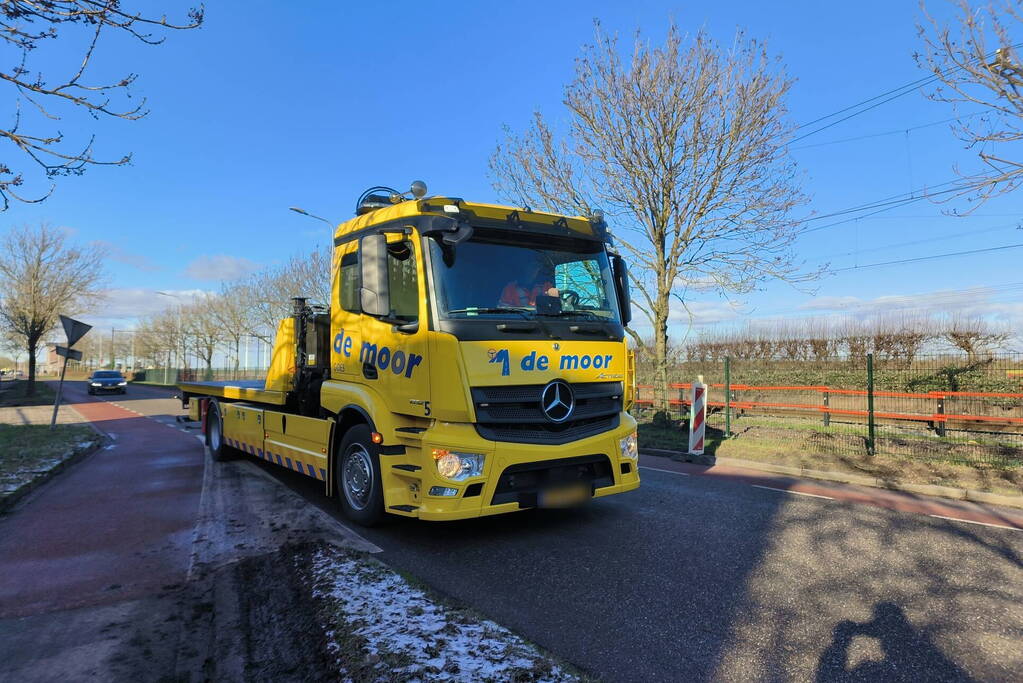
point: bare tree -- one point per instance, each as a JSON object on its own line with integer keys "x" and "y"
{"x": 975, "y": 336}
{"x": 234, "y": 316}
{"x": 975, "y": 61}
{"x": 151, "y": 349}
{"x": 204, "y": 328}
{"x": 39, "y": 102}
{"x": 43, "y": 274}
{"x": 684, "y": 146}
{"x": 268, "y": 293}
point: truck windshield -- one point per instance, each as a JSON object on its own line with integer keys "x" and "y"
{"x": 494, "y": 276}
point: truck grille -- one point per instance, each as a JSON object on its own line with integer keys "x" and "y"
{"x": 513, "y": 413}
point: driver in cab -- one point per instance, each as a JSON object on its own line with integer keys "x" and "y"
{"x": 524, "y": 292}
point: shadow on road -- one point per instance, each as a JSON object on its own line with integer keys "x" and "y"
{"x": 908, "y": 653}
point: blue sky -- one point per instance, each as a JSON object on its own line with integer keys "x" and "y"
{"x": 271, "y": 105}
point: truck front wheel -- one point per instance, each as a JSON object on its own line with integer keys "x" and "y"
{"x": 358, "y": 477}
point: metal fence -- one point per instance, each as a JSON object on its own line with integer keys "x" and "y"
{"x": 942, "y": 407}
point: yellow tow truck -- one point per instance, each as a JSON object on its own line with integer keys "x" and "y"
{"x": 471, "y": 362}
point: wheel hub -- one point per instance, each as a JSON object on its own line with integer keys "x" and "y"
{"x": 357, "y": 476}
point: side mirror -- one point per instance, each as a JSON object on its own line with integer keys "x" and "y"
{"x": 374, "y": 294}
{"x": 621, "y": 277}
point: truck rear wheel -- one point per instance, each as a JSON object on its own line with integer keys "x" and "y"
{"x": 219, "y": 449}
{"x": 359, "y": 483}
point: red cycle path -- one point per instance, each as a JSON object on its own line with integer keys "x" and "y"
{"x": 891, "y": 500}
{"x": 115, "y": 526}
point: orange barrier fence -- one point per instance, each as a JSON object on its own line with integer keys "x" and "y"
{"x": 937, "y": 417}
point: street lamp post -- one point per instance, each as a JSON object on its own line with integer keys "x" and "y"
{"x": 303, "y": 212}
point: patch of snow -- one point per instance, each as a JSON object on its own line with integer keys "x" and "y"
{"x": 410, "y": 636}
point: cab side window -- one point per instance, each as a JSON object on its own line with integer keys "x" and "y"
{"x": 350, "y": 282}
{"x": 585, "y": 279}
{"x": 402, "y": 280}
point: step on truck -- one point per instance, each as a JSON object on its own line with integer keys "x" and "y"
{"x": 471, "y": 361}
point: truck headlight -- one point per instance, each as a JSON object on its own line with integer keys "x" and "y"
{"x": 457, "y": 466}
{"x": 629, "y": 446}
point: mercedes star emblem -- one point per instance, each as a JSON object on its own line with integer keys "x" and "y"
{"x": 557, "y": 401}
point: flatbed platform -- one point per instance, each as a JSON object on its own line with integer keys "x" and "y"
{"x": 239, "y": 390}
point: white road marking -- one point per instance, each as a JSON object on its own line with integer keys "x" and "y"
{"x": 112, "y": 435}
{"x": 657, "y": 469}
{"x": 795, "y": 493}
{"x": 111, "y": 446}
{"x": 970, "y": 521}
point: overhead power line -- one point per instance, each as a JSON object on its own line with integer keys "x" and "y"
{"x": 877, "y": 101}
{"x": 926, "y": 240}
{"x": 918, "y": 82}
{"x": 890, "y": 132}
{"x": 929, "y": 258}
{"x": 887, "y": 204}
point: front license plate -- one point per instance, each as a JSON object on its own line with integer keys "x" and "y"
{"x": 565, "y": 496}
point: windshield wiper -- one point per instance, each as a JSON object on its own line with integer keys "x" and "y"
{"x": 524, "y": 312}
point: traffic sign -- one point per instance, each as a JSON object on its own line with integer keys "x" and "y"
{"x": 72, "y": 354}
{"x": 74, "y": 330}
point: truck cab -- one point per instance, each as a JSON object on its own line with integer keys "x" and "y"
{"x": 486, "y": 343}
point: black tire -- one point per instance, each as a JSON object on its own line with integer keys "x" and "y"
{"x": 358, "y": 466}
{"x": 219, "y": 449}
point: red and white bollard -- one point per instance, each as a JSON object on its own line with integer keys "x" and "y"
{"x": 697, "y": 416}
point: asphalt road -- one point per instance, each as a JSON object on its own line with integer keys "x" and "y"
{"x": 697, "y": 577}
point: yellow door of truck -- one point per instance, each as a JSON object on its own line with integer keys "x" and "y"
{"x": 388, "y": 356}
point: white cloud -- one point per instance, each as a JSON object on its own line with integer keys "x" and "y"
{"x": 121, "y": 308}
{"x": 116, "y": 253}
{"x": 681, "y": 320}
{"x": 703, "y": 312}
{"x": 220, "y": 267}
{"x": 698, "y": 283}
{"x": 996, "y": 302}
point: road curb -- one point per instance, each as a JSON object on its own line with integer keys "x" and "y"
{"x": 9, "y": 500}
{"x": 858, "y": 480}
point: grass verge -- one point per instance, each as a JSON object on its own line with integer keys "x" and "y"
{"x": 31, "y": 451}
{"x": 838, "y": 451}
{"x": 15, "y": 393}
